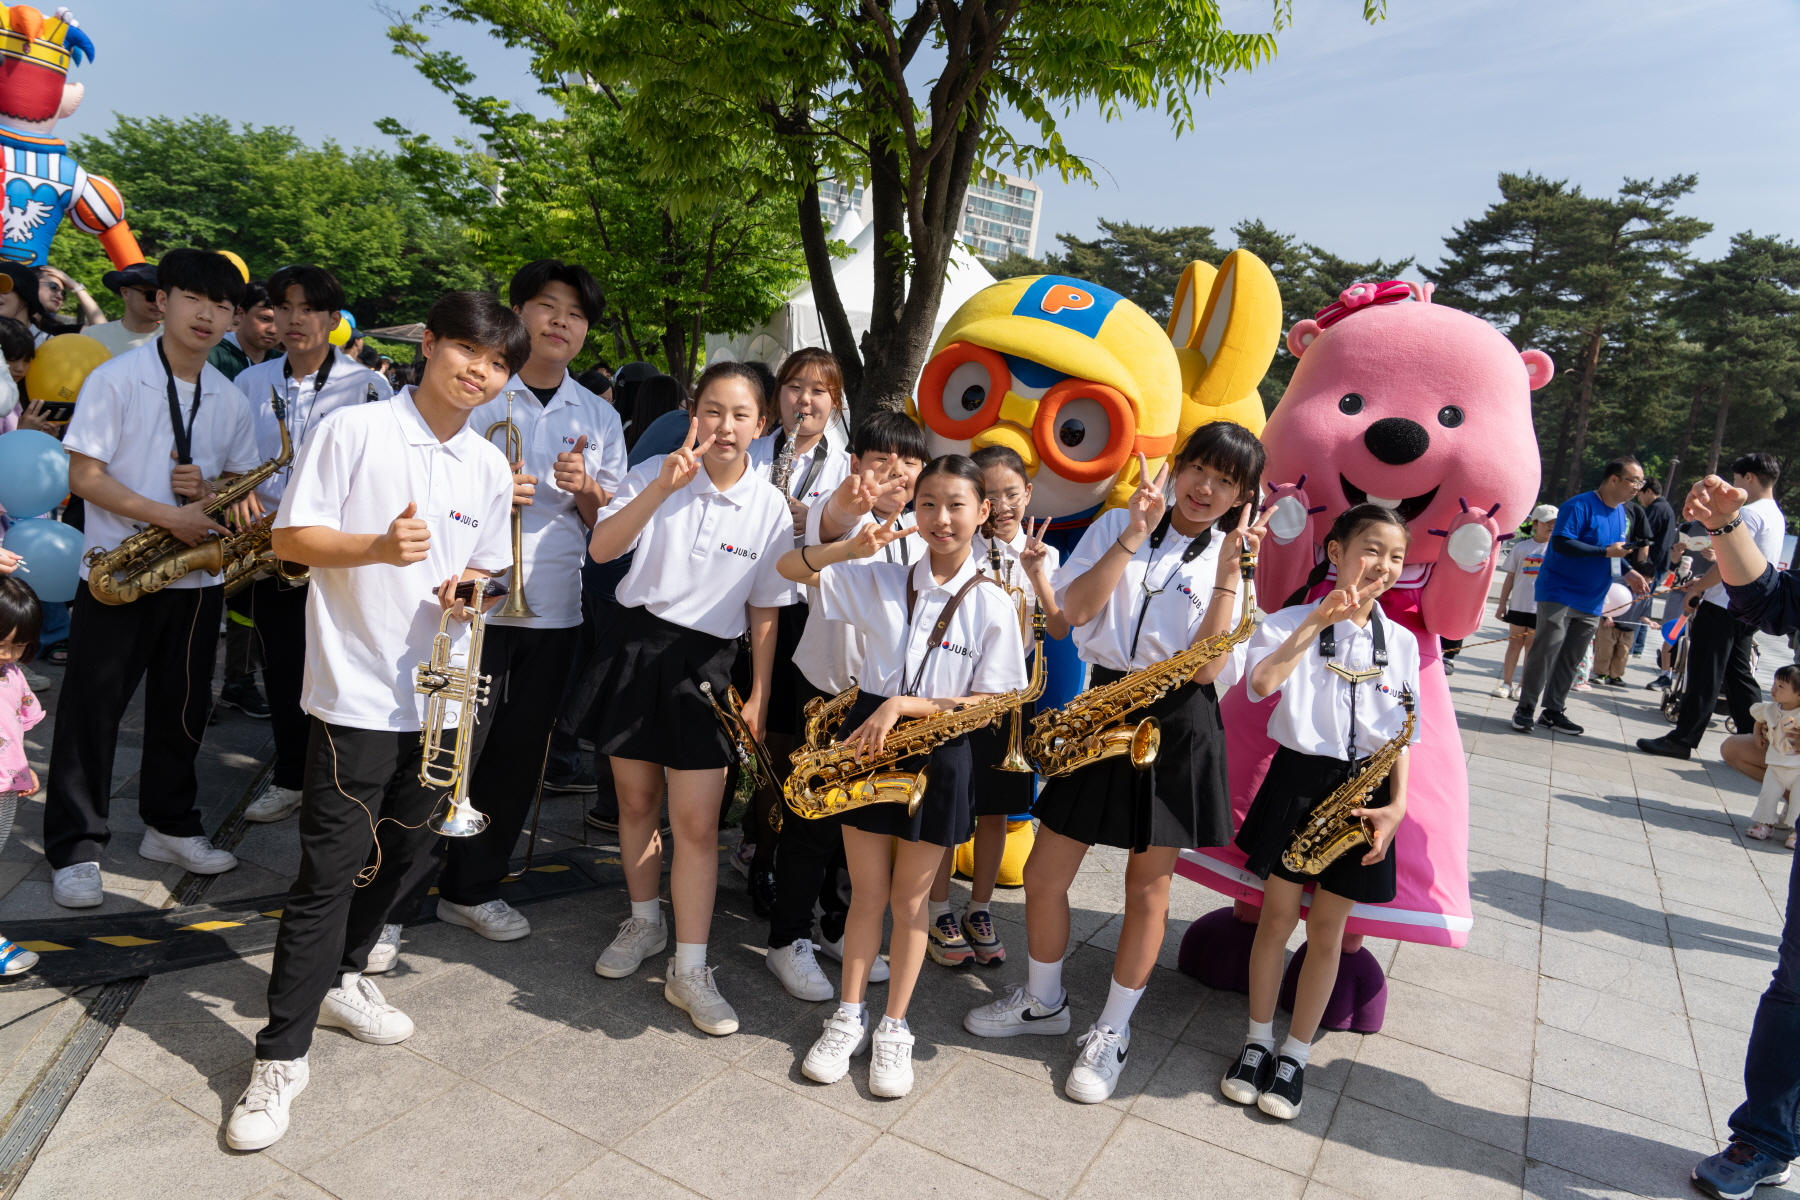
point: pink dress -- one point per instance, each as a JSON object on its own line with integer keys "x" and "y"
{"x": 19, "y": 711}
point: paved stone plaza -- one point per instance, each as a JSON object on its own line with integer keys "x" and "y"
{"x": 1587, "y": 1043}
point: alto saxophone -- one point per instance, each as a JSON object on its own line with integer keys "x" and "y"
{"x": 1093, "y": 726}
{"x": 753, "y": 756}
{"x": 829, "y": 780}
{"x": 151, "y": 560}
{"x": 824, "y": 716}
{"x": 1331, "y": 830}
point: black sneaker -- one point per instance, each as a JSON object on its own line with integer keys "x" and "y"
{"x": 582, "y": 781}
{"x": 1615, "y": 681}
{"x": 762, "y": 893}
{"x": 1281, "y": 1099}
{"x": 1521, "y": 721}
{"x": 1665, "y": 747}
{"x": 1251, "y": 1075}
{"x": 1552, "y": 718}
{"x": 245, "y": 698}
{"x": 599, "y": 817}
{"x": 1661, "y": 683}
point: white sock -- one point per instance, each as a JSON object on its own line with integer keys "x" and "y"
{"x": 1296, "y": 1049}
{"x": 647, "y": 910}
{"x": 690, "y": 956}
{"x": 1044, "y": 981}
{"x": 939, "y": 908}
{"x": 348, "y": 979}
{"x": 976, "y": 907}
{"x": 856, "y": 1010}
{"x": 1120, "y": 1003}
{"x": 890, "y": 1024}
{"x": 1262, "y": 1034}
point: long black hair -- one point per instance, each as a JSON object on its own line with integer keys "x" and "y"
{"x": 1350, "y": 522}
{"x": 656, "y": 395}
{"x": 21, "y": 617}
{"x": 1231, "y": 450}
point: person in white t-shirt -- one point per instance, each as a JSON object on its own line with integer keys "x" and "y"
{"x": 1518, "y": 595}
{"x": 1720, "y": 645}
{"x": 158, "y": 407}
{"x": 391, "y": 506}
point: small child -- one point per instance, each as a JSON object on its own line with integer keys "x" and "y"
{"x": 1778, "y": 723}
{"x": 1518, "y": 595}
{"x": 20, "y": 619}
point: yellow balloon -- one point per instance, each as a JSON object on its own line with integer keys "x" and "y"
{"x": 243, "y": 268}
{"x": 341, "y": 335}
{"x": 61, "y": 365}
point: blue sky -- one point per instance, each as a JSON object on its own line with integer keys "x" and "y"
{"x": 1367, "y": 140}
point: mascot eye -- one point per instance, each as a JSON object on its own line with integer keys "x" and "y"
{"x": 1450, "y": 416}
{"x": 973, "y": 397}
{"x": 966, "y": 390}
{"x": 1350, "y": 405}
{"x": 1083, "y": 429}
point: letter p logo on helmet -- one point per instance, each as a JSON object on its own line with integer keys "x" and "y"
{"x": 1061, "y": 296}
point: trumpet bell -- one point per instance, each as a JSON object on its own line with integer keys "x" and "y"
{"x": 514, "y": 605}
{"x": 458, "y": 821}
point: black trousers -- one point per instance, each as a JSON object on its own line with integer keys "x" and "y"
{"x": 1718, "y": 660}
{"x": 279, "y": 613}
{"x": 808, "y": 856}
{"x": 364, "y": 808}
{"x": 168, "y": 639}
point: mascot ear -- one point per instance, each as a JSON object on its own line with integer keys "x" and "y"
{"x": 1538, "y": 368}
{"x": 1302, "y": 335}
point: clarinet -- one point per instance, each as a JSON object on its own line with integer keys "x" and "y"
{"x": 781, "y": 471}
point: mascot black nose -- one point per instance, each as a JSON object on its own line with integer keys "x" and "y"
{"x": 1396, "y": 440}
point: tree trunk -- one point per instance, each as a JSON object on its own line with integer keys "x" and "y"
{"x": 819, "y": 266}
{"x": 1590, "y": 366}
{"x": 1712, "y": 459}
{"x": 1562, "y": 448}
{"x": 1687, "y": 439}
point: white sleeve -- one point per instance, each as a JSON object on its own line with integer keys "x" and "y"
{"x": 848, "y": 592}
{"x": 324, "y": 470}
{"x": 1515, "y": 555}
{"x": 493, "y": 544}
{"x": 241, "y": 453}
{"x": 634, "y": 482}
{"x": 97, "y": 424}
{"x": 1267, "y": 639}
{"x": 1093, "y": 546}
{"x": 605, "y": 460}
{"x": 1001, "y": 667}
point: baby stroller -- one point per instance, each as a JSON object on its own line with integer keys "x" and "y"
{"x": 1676, "y": 632}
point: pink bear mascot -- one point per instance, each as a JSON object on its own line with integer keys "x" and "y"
{"x": 1427, "y": 410}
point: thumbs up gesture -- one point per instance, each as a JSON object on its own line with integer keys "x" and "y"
{"x": 406, "y": 541}
{"x": 570, "y": 469}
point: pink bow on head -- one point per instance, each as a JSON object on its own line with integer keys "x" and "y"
{"x": 1362, "y": 295}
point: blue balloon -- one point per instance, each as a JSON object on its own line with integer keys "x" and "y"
{"x": 52, "y": 554}
{"x": 34, "y": 473}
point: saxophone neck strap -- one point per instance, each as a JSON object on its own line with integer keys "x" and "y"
{"x": 939, "y": 627}
{"x": 1379, "y": 655}
{"x": 1195, "y": 549}
{"x": 184, "y": 434}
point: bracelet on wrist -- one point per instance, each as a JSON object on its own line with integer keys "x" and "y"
{"x": 1120, "y": 543}
{"x": 1728, "y": 526}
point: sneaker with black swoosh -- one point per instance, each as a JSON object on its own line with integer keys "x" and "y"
{"x": 1098, "y": 1067}
{"x": 1018, "y": 1012}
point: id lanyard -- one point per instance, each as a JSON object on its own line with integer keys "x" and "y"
{"x": 1194, "y": 550}
{"x": 1379, "y": 656}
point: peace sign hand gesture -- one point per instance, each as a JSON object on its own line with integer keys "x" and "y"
{"x": 1035, "y": 550}
{"x": 1146, "y": 504}
{"x": 1340, "y": 605}
{"x": 872, "y": 537}
{"x": 680, "y": 467}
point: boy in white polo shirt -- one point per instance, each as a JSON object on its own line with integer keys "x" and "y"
{"x": 390, "y": 505}
{"x": 152, "y": 426}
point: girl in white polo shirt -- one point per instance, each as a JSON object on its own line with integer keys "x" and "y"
{"x": 1341, "y": 667}
{"x": 1146, "y": 582}
{"x": 936, "y": 634}
{"x": 391, "y": 505}
{"x": 706, "y": 532}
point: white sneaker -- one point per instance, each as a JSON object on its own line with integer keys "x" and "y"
{"x": 275, "y": 804}
{"x": 741, "y": 856}
{"x": 695, "y": 993}
{"x": 364, "y": 1012}
{"x": 1504, "y": 691}
{"x": 77, "y": 886}
{"x": 878, "y": 970}
{"x": 261, "y": 1115}
{"x": 1015, "y": 1013}
{"x": 799, "y": 972}
{"x": 497, "y": 921}
{"x": 1099, "y": 1065}
{"x": 636, "y": 941}
{"x": 194, "y": 854}
{"x": 890, "y": 1065}
{"x": 385, "y": 953}
{"x": 844, "y": 1038}
{"x": 36, "y": 682}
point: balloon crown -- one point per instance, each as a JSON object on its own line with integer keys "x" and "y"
{"x": 28, "y": 37}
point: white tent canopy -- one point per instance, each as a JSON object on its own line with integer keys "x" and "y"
{"x": 797, "y": 322}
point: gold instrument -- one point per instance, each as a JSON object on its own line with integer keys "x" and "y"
{"x": 241, "y": 573}
{"x": 1093, "y": 726}
{"x": 1331, "y": 830}
{"x": 824, "y": 716}
{"x": 830, "y": 780}
{"x": 443, "y": 683}
{"x": 150, "y": 560}
{"x": 1015, "y": 759}
{"x": 514, "y": 605}
{"x": 753, "y": 756}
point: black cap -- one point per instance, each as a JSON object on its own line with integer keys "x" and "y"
{"x": 138, "y": 275}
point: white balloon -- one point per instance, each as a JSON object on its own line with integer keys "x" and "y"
{"x": 9, "y": 394}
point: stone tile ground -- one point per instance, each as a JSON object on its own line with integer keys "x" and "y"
{"x": 1587, "y": 1043}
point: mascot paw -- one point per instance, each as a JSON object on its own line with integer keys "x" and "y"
{"x": 1471, "y": 537}
{"x": 1290, "y": 512}
{"x": 1359, "y": 1001}
{"x": 1216, "y": 951}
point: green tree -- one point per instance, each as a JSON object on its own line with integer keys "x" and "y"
{"x": 575, "y": 186}
{"x": 1140, "y": 262}
{"x": 906, "y": 100}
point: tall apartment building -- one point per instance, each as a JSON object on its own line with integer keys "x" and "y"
{"x": 999, "y": 216}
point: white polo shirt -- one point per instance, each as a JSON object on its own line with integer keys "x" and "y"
{"x": 829, "y": 652}
{"x": 705, "y": 554}
{"x": 347, "y": 382}
{"x": 1313, "y": 716}
{"x": 1013, "y": 572}
{"x": 979, "y": 652}
{"x": 554, "y": 537}
{"x": 368, "y": 627}
{"x": 122, "y": 418}
{"x": 831, "y": 455}
{"x": 1170, "y": 617}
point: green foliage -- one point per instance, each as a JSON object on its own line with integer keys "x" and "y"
{"x": 400, "y": 352}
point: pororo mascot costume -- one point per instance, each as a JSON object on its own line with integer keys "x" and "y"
{"x": 1426, "y": 410}
{"x": 1079, "y": 380}
{"x": 42, "y": 181}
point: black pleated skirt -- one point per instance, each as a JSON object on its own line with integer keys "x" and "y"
{"x": 785, "y": 681}
{"x": 1295, "y": 785}
{"x": 640, "y": 692}
{"x": 947, "y": 816}
{"x": 1183, "y": 800}
{"x": 1000, "y": 793}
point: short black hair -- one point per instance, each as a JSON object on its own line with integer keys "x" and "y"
{"x": 1001, "y": 456}
{"x": 1788, "y": 673}
{"x": 596, "y": 381}
{"x": 16, "y": 341}
{"x": 255, "y": 296}
{"x": 21, "y": 617}
{"x": 771, "y": 403}
{"x": 1228, "y": 448}
{"x": 1618, "y": 466}
{"x": 318, "y": 286}
{"x": 532, "y": 278}
{"x": 203, "y": 273}
{"x": 890, "y": 432}
{"x": 479, "y": 317}
{"x": 370, "y": 357}
{"x": 960, "y": 466}
{"x": 1651, "y": 486}
{"x": 1761, "y": 464}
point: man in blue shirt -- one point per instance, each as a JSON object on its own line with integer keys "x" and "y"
{"x": 1571, "y": 590}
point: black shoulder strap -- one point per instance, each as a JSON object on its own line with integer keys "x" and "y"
{"x": 942, "y": 623}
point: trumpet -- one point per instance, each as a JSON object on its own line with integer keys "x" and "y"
{"x": 1015, "y": 759}
{"x": 514, "y": 605}
{"x": 443, "y": 683}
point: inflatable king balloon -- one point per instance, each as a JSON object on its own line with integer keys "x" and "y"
{"x": 1427, "y": 410}
{"x": 42, "y": 182}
